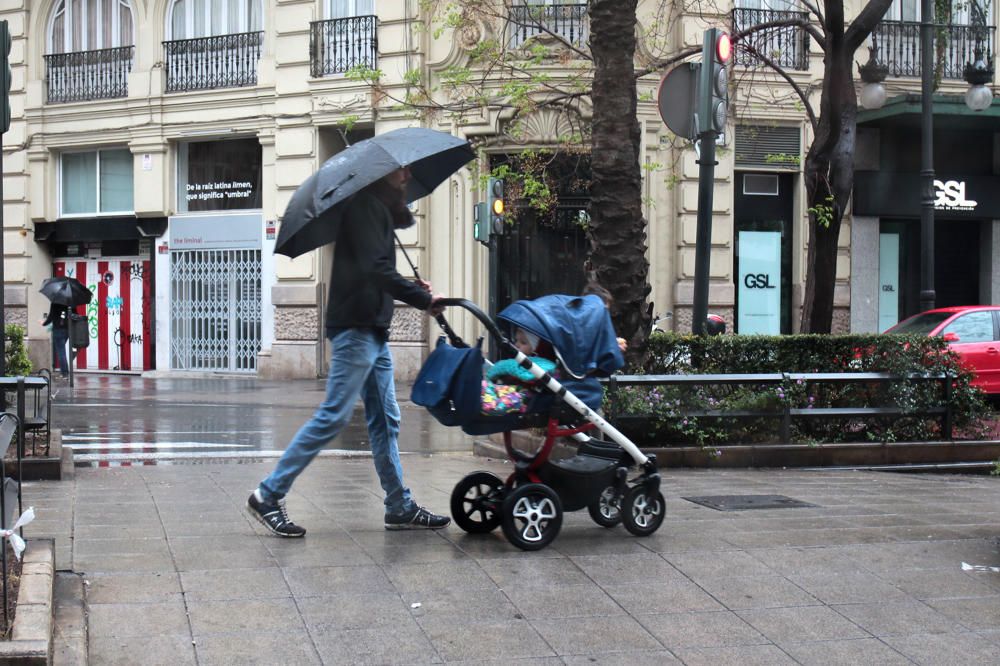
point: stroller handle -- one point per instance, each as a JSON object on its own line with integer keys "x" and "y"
{"x": 476, "y": 312}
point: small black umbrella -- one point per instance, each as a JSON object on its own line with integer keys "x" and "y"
{"x": 66, "y": 291}
{"x": 313, "y": 215}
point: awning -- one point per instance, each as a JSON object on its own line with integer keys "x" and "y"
{"x": 949, "y": 111}
{"x": 100, "y": 229}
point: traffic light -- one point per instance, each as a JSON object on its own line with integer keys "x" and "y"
{"x": 4, "y": 77}
{"x": 722, "y": 51}
{"x": 497, "y": 205}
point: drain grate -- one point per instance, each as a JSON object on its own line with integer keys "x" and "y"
{"x": 744, "y": 502}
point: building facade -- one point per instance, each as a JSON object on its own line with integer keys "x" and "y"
{"x": 155, "y": 145}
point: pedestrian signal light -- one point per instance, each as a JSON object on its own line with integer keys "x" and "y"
{"x": 481, "y": 223}
{"x": 497, "y": 207}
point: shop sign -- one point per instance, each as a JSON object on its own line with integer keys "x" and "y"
{"x": 214, "y": 232}
{"x": 951, "y": 196}
{"x": 898, "y": 195}
{"x": 759, "y": 278}
{"x": 888, "y": 279}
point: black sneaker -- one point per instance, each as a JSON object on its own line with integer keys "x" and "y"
{"x": 273, "y": 516}
{"x": 419, "y": 519}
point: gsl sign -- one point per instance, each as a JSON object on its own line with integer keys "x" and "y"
{"x": 757, "y": 281}
{"x": 759, "y": 273}
{"x": 951, "y": 196}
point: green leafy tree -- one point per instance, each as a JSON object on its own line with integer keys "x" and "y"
{"x": 515, "y": 79}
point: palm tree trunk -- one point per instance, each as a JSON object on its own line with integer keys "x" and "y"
{"x": 617, "y": 228}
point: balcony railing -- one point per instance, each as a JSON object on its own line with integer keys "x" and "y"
{"x": 568, "y": 21}
{"x": 898, "y": 44}
{"x": 87, "y": 75}
{"x": 222, "y": 61}
{"x": 339, "y": 45}
{"x": 786, "y": 46}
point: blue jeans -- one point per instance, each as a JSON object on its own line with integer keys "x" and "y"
{"x": 60, "y": 336}
{"x": 360, "y": 366}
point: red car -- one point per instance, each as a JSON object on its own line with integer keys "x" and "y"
{"x": 973, "y": 331}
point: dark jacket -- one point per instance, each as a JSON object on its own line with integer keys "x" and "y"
{"x": 364, "y": 281}
{"x": 58, "y": 316}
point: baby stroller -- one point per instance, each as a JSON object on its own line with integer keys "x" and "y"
{"x": 530, "y": 502}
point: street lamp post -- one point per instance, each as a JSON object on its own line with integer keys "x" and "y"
{"x": 927, "y": 294}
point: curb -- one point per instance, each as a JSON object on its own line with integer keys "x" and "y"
{"x": 31, "y": 638}
{"x": 42, "y": 468}
{"x": 841, "y": 455}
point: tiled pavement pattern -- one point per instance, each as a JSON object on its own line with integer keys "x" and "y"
{"x": 177, "y": 575}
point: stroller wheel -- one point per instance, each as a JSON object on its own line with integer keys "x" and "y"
{"x": 605, "y": 510}
{"x": 475, "y": 502}
{"x": 532, "y": 516}
{"x": 642, "y": 512}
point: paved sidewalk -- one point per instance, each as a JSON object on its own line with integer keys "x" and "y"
{"x": 176, "y": 574}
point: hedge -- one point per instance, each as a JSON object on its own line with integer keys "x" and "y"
{"x": 668, "y": 408}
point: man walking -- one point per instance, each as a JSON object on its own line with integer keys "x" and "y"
{"x": 363, "y": 285}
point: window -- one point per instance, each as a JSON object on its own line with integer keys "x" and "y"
{"x": 190, "y": 19}
{"x": 349, "y": 8}
{"x": 90, "y": 25}
{"x": 972, "y": 327}
{"x": 97, "y": 182}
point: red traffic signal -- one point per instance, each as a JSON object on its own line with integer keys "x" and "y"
{"x": 723, "y": 48}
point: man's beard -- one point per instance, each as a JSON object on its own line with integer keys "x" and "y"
{"x": 395, "y": 200}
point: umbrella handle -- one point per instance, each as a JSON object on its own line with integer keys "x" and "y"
{"x": 442, "y": 322}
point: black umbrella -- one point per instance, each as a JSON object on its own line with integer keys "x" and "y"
{"x": 313, "y": 215}
{"x": 66, "y": 291}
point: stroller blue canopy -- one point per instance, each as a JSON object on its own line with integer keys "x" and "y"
{"x": 579, "y": 327}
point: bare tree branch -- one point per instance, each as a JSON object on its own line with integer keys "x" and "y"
{"x": 800, "y": 93}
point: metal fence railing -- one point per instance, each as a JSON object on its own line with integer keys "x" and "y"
{"x": 339, "y": 45}
{"x": 786, "y": 46}
{"x": 568, "y": 21}
{"x": 88, "y": 75}
{"x": 12, "y": 515}
{"x": 222, "y": 61}
{"x": 898, "y": 46}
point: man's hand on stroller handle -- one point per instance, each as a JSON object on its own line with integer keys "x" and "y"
{"x": 435, "y": 308}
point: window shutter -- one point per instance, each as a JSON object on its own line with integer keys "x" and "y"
{"x": 772, "y": 148}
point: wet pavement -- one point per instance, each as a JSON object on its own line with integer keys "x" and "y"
{"x": 876, "y": 572}
{"x": 130, "y": 419}
{"x": 871, "y": 568}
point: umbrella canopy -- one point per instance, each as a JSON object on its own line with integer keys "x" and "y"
{"x": 65, "y": 291}
{"x": 313, "y": 215}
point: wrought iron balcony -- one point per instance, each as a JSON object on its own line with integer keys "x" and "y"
{"x": 898, "y": 44}
{"x": 786, "y": 46}
{"x": 339, "y": 45}
{"x": 222, "y": 61}
{"x": 87, "y": 75}
{"x": 568, "y": 21}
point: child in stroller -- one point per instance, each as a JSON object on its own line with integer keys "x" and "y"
{"x": 529, "y": 504}
{"x": 507, "y": 388}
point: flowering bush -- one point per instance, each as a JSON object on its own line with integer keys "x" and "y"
{"x": 691, "y": 415}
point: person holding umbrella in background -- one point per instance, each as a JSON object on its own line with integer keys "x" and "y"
{"x": 65, "y": 294}
{"x": 58, "y": 318}
{"x": 359, "y": 198}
